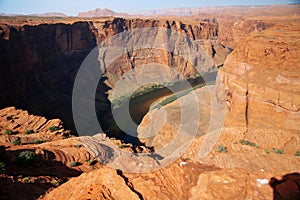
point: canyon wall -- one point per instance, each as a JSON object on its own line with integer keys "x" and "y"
{"x": 39, "y": 62}
{"x": 261, "y": 81}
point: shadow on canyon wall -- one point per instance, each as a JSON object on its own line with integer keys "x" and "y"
{"x": 39, "y": 65}
{"x": 287, "y": 188}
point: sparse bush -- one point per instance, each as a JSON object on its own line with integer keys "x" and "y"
{"x": 16, "y": 141}
{"x": 37, "y": 141}
{"x": 30, "y": 131}
{"x": 2, "y": 167}
{"x": 222, "y": 149}
{"x": 91, "y": 162}
{"x": 297, "y": 153}
{"x": 28, "y": 180}
{"x": 278, "y": 151}
{"x": 74, "y": 164}
{"x": 249, "y": 143}
{"x": 77, "y": 145}
{"x": 123, "y": 145}
{"x": 267, "y": 151}
{"x": 53, "y": 128}
{"x": 26, "y": 158}
{"x": 8, "y": 132}
{"x": 54, "y": 183}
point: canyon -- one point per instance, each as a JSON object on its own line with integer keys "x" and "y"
{"x": 61, "y": 48}
{"x": 246, "y": 141}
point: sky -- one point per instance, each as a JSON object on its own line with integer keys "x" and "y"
{"x": 73, "y": 7}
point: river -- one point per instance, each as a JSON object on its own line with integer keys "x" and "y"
{"x": 139, "y": 106}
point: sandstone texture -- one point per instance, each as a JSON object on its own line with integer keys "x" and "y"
{"x": 244, "y": 146}
{"x": 40, "y": 58}
{"x": 29, "y": 127}
{"x": 261, "y": 81}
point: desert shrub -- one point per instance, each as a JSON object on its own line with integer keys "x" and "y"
{"x": 53, "y": 128}
{"x": 267, "y": 151}
{"x": 30, "y": 131}
{"x": 74, "y": 164}
{"x": 297, "y": 153}
{"x": 91, "y": 162}
{"x": 37, "y": 141}
{"x": 16, "y": 141}
{"x": 2, "y": 167}
{"x": 26, "y": 158}
{"x": 28, "y": 180}
{"x": 222, "y": 149}
{"x": 8, "y": 131}
{"x": 123, "y": 145}
{"x": 77, "y": 145}
{"x": 249, "y": 143}
{"x": 278, "y": 151}
{"x": 54, "y": 183}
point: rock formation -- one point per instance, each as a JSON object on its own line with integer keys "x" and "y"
{"x": 39, "y": 62}
{"x": 254, "y": 154}
{"x": 101, "y": 13}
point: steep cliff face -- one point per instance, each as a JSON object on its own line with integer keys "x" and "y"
{"x": 261, "y": 81}
{"x": 201, "y": 37}
{"x": 39, "y": 62}
{"x": 233, "y": 29}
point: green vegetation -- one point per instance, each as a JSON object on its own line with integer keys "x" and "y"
{"x": 77, "y": 145}
{"x": 152, "y": 87}
{"x": 278, "y": 151}
{"x": 267, "y": 151}
{"x": 124, "y": 145}
{"x": 249, "y": 143}
{"x": 164, "y": 102}
{"x": 28, "y": 180}
{"x": 173, "y": 97}
{"x": 37, "y": 141}
{"x": 53, "y": 128}
{"x": 54, "y": 183}
{"x": 297, "y": 153}
{"x": 144, "y": 90}
{"x": 74, "y": 164}
{"x": 8, "y": 131}
{"x": 25, "y": 158}
{"x": 91, "y": 162}
{"x": 28, "y": 132}
{"x": 2, "y": 167}
{"x": 222, "y": 149}
{"x": 16, "y": 141}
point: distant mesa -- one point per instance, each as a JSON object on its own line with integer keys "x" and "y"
{"x": 101, "y": 13}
